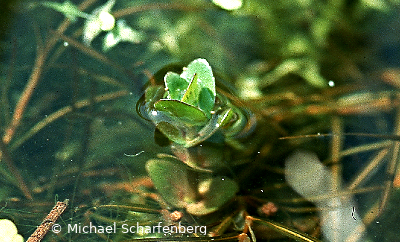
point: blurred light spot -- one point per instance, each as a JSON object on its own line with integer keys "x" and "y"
{"x": 228, "y": 4}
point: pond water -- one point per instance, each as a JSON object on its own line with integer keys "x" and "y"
{"x": 195, "y": 120}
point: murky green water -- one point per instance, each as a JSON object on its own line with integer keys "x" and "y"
{"x": 321, "y": 76}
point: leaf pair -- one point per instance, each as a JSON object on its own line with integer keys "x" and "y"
{"x": 179, "y": 185}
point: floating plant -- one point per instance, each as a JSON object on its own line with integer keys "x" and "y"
{"x": 187, "y": 109}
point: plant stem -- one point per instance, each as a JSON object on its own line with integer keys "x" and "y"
{"x": 14, "y": 170}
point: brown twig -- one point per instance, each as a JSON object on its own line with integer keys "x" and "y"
{"x": 13, "y": 169}
{"x": 48, "y": 222}
{"x": 25, "y": 97}
{"x": 319, "y": 135}
{"x": 391, "y": 168}
{"x": 5, "y": 104}
{"x": 373, "y": 164}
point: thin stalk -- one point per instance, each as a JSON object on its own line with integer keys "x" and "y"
{"x": 291, "y": 233}
{"x": 336, "y": 146}
{"x": 14, "y": 170}
{"x": 63, "y": 111}
{"x": 367, "y": 170}
{"x": 26, "y": 96}
{"x": 391, "y": 167}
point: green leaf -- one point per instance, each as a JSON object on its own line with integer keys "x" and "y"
{"x": 186, "y": 113}
{"x": 205, "y": 158}
{"x": 205, "y": 80}
{"x": 153, "y": 94}
{"x": 204, "y": 72}
{"x": 187, "y": 104}
{"x": 127, "y": 34}
{"x": 237, "y": 121}
{"x": 206, "y": 101}
{"x": 225, "y": 117}
{"x": 311, "y": 73}
{"x": 91, "y": 30}
{"x": 161, "y": 139}
{"x": 206, "y": 132}
{"x": 68, "y": 9}
{"x": 176, "y": 184}
{"x": 176, "y": 85}
{"x": 172, "y": 132}
{"x": 104, "y": 8}
{"x": 110, "y": 40}
{"x": 121, "y": 33}
{"x": 170, "y": 177}
{"x": 215, "y": 193}
{"x": 193, "y": 92}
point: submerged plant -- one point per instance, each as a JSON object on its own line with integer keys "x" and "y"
{"x": 198, "y": 192}
{"x": 98, "y": 21}
{"x": 188, "y": 111}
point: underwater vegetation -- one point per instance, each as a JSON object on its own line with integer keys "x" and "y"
{"x": 200, "y": 120}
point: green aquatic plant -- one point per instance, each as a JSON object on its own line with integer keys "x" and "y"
{"x": 74, "y": 126}
{"x": 191, "y": 95}
{"x": 187, "y": 109}
{"x": 67, "y": 8}
{"x": 198, "y": 192}
{"x": 98, "y": 21}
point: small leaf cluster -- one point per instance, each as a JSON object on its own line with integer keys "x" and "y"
{"x": 98, "y": 21}
{"x": 190, "y": 95}
{"x": 187, "y": 109}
